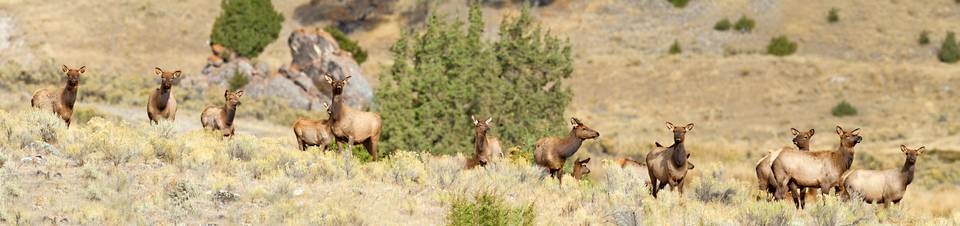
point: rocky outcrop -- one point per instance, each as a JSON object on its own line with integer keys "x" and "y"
{"x": 316, "y": 54}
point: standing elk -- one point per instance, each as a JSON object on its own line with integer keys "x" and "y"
{"x": 313, "y": 132}
{"x": 882, "y": 186}
{"x": 485, "y": 148}
{"x": 818, "y": 169}
{"x": 162, "y": 105}
{"x": 580, "y": 168}
{"x": 552, "y": 152}
{"x": 221, "y": 118}
{"x": 351, "y": 126}
{"x": 765, "y": 176}
{"x": 668, "y": 165}
{"x": 60, "y": 101}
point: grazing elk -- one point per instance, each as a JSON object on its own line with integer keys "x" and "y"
{"x": 313, "y": 132}
{"x": 668, "y": 165}
{"x": 882, "y": 186}
{"x": 60, "y": 101}
{"x": 351, "y": 126}
{"x": 765, "y": 176}
{"x": 580, "y": 168}
{"x": 485, "y": 147}
{"x": 817, "y": 169}
{"x": 552, "y": 152}
{"x": 162, "y": 104}
{"x": 221, "y": 118}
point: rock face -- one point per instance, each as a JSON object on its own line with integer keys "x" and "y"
{"x": 315, "y": 54}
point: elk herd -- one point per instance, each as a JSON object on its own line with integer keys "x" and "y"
{"x": 779, "y": 171}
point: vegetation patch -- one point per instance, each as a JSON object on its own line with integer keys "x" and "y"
{"x": 843, "y": 109}
{"x": 345, "y": 43}
{"x": 723, "y": 25}
{"x": 488, "y": 209}
{"x": 246, "y": 26}
{"x": 924, "y": 38}
{"x": 675, "y": 48}
{"x": 679, "y": 3}
{"x": 744, "y": 24}
{"x": 833, "y": 16}
{"x": 949, "y": 50}
{"x": 781, "y": 46}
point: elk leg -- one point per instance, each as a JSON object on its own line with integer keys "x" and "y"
{"x": 680, "y": 187}
{"x": 793, "y": 192}
{"x": 653, "y": 186}
{"x": 371, "y": 145}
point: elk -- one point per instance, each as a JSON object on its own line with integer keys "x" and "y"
{"x": 221, "y": 118}
{"x": 162, "y": 104}
{"x": 765, "y": 176}
{"x": 668, "y": 165}
{"x": 485, "y": 147}
{"x": 313, "y": 132}
{"x": 580, "y": 168}
{"x": 818, "y": 169}
{"x": 882, "y": 186}
{"x": 60, "y": 101}
{"x": 552, "y": 152}
{"x": 351, "y": 126}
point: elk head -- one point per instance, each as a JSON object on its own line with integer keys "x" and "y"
{"x": 166, "y": 78}
{"x": 802, "y": 139}
{"x": 849, "y": 138}
{"x": 233, "y": 98}
{"x": 912, "y": 154}
{"x": 580, "y": 168}
{"x": 73, "y": 75}
{"x": 679, "y": 132}
{"x": 337, "y": 84}
{"x": 481, "y": 127}
{"x": 582, "y": 131}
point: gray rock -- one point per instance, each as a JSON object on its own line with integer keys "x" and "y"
{"x": 315, "y": 53}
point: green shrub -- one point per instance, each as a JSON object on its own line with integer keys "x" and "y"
{"x": 781, "y": 46}
{"x": 949, "y": 51}
{"x": 832, "y": 17}
{"x": 488, "y": 209}
{"x": 924, "y": 38}
{"x": 744, "y": 24}
{"x": 445, "y": 74}
{"x": 237, "y": 81}
{"x": 722, "y": 25}
{"x": 246, "y": 26}
{"x": 679, "y": 3}
{"x": 347, "y": 44}
{"x": 675, "y": 48}
{"x": 843, "y": 109}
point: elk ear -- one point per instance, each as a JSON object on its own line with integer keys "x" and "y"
{"x": 226, "y": 93}
{"x": 856, "y": 132}
{"x": 474, "y": 119}
{"x": 689, "y": 127}
{"x": 812, "y": 132}
{"x": 347, "y": 79}
{"x": 921, "y": 149}
{"x": 83, "y": 69}
{"x": 488, "y": 120}
{"x": 586, "y": 160}
{"x": 573, "y": 121}
{"x": 794, "y": 131}
{"x": 325, "y": 106}
{"x": 670, "y": 126}
{"x": 839, "y": 131}
{"x": 158, "y": 71}
{"x": 903, "y": 148}
{"x": 64, "y": 68}
{"x": 239, "y": 93}
{"x": 176, "y": 74}
{"x": 328, "y": 78}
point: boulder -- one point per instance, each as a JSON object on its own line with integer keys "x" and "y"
{"x": 315, "y": 53}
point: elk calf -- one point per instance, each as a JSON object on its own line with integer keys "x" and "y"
{"x": 485, "y": 148}
{"x": 552, "y": 152}
{"x": 817, "y": 169}
{"x": 351, "y": 126}
{"x": 162, "y": 105}
{"x": 221, "y": 118}
{"x": 882, "y": 186}
{"x": 313, "y": 132}
{"x": 580, "y": 168}
{"x": 668, "y": 165}
{"x": 60, "y": 101}
{"x": 765, "y": 176}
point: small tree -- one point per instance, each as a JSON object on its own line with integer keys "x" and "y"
{"x": 832, "y": 17}
{"x": 744, "y": 24}
{"x": 949, "y": 51}
{"x": 924, "y": 38}
{"x": 345, "y": 43}
{"x": 781, "y": 46}
{"x": 237, "y": 81}
{"x": 246, "y": 26}
{"x": 843, "y": 109}
{"x": 722, "y": 25}
{"x": 675, "y": 48}
{"x": 679, "y": 3}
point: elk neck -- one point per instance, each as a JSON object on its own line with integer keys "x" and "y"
{"x": 678, "y": 153}
{"x": 569, "y": 145}
{"x": 163, "y": 98}
{"x": 843, "y": 157}
{"x": 69, "y": 95}
{"x": 908, "y": 168}
{"x": 337, "y": 108}
{"x": 480, "y": 141}
{"x": 228, "y": 113}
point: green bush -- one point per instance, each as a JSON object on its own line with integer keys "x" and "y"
{"x": 781, "y": 46}
{"x": 487, "y": 209}
{"x": 949, "y": 51}
{"x": 679, "y": 3}
{"x": 924, "y": 38}
{"x": 832, "y": 17}
{"x": 444, "y": 74}
{"x": 345, "y": 43}
{"x": 237, "y": 81}
{"x": 744, "y": 24}
{"x": 675, "y": 48}
{"x": 722, "y": 25}
{"x": 843, "y": 109}
{"x": 246, "y": 26}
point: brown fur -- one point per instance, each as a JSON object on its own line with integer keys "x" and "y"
{"x": 818, "y": 169}
{"x": 552, "y": 152}
{"x": 162, "y": 105}
{"x": 624, "y": 162}
{"x": 485, "y": 148}
{"x": 668, "y": 165}
{"x": 60, "y": 101}
{"x": 882, "y": 186}
{"x": 313, "y": 132}
{"x": 221, "y": 118}
{"x": 765, "y": 176}
{"x": 580, "y": 168}
{"x": 351, "y": 126}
